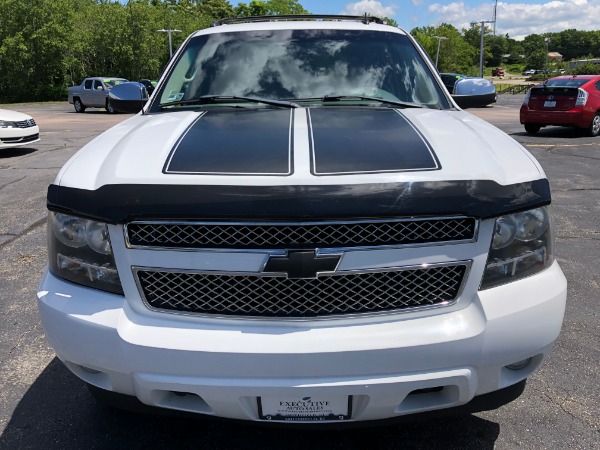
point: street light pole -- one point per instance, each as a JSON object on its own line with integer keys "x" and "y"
{"x": 169, "y": 32}
{"x": 437, "y": 55}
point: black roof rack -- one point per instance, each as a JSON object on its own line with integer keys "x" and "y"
{"x": 366, "y": 19}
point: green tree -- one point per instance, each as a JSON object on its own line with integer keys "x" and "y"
{"x": 472, "y": 36}
{"x": 34, "y": 36}
{"x": 456, "y": 55}
{"x": 515, "y": 51}
{"x": 255, "y": 8}
{"x": 536, "y": 55}
{"x": 498, "y": 47}
{"x": 269, "y": 8}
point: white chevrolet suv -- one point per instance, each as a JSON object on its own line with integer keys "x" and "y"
{"x": 302, "y": 226}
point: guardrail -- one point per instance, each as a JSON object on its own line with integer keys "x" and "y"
{"x": 512, "y": 88}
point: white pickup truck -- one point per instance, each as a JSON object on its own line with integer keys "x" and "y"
{"x": 93, "y": 92}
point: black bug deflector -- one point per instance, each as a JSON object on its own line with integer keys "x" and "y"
{"x": 123, "y": 202}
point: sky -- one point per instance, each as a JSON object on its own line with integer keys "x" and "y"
{"x": 517, "y": 18}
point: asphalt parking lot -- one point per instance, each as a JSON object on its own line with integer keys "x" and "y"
{"x": 43, "y": 406}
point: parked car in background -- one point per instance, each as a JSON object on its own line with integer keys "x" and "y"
{"x": 571, "y": 101}
{"x": 17, "y": 129}
{"x": 149, "y": 85}
{"x": 469, "y": 92}
{"x": 529, "y": 72}
{"x": 498, "y": 72}
{"x": 93, "y": 92}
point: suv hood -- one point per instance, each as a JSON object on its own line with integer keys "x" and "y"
{"x": 304, "y": 146}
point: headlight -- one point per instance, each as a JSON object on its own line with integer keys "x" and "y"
{"x": 522, "y": 245}
{"x": 79, "y": 250}
{"x": 7, "y": 124}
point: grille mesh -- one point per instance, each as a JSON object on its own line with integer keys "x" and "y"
{"x": 298, "y": 235}
{"x": 244, "y": 295}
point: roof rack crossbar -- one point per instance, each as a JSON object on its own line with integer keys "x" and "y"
{"x": 366, "y": 19}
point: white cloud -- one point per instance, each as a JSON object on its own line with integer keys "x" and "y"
{"x": 521, "y": 19}
{"x": 369, "y": 6}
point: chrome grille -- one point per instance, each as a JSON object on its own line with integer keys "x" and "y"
{"x": 25, "y": 123}
{"x": 267, "y": 296}
{"x": 299, "y": 235}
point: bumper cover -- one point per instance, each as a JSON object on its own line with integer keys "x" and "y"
{"x": 400, "y": 365}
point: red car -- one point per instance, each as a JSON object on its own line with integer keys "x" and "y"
{"x": 571, "y": 101}
{"x": 498, "y": 72}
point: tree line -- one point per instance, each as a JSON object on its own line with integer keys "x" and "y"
{"x": 460, "y": 51}
{"x": 48, "y": 45}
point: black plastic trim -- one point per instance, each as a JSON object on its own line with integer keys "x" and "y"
{"x": 121, "y": 203}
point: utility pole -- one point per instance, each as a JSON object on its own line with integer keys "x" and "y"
{"x": 437, "y": 55}
{"x": 170, "y": 32}
{"x": 482, "y": 22}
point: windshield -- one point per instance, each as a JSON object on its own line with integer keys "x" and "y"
{"x": 302, "y": 64}
{"x": 570, "y": 82}
{"x": 112, "y": 82}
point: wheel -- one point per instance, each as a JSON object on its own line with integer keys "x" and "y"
{"x": 109, "y": 107}
{"x": 532, "y": 128}
{"x": 78, "y": 106}
{"x": 594, "y": 129}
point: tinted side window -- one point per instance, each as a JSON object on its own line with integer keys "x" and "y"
{"x": 87, "y": 84}
{"x": 597, "y": 85}
{"x": 97, "y": 84}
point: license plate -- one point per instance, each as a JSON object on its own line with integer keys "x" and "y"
{"x": 311, "y": 409}
{"x": 549, "y": 104}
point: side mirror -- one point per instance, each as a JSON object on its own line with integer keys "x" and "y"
{"x": 100, "y": 88}
{"x": 128, "y": 97}
{"x": 474, "y": 92}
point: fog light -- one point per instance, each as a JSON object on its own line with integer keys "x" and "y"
{"x": 519, "y": 364}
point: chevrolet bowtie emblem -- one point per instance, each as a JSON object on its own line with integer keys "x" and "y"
{"x": 302, "y": 264}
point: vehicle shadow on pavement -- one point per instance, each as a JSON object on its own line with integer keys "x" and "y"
{"x": 555, "y": 132}
{"x": 57, "y": 412}
{"x": 15, "y": 152}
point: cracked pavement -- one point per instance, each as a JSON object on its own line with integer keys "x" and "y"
{"x": 43, "y": 406}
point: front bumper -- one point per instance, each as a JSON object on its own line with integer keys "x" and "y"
{"x": 576, "y": 117}
{"x": 399, "y": 365}
{"x": 14, "y": 137}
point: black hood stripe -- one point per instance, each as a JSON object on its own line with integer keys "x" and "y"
{"x": 253, "y": 142}
{"x": 123, "y": 203}
{"x": 366, "y": 140}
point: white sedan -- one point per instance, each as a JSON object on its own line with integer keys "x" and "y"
{"x": 17, "y": 129}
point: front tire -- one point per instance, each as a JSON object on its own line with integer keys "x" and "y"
{"x": 79, "y": 107}
{"x": 532, "y": 128}
{"x": 109, "y": 107}
{"x": 594, "y": 129}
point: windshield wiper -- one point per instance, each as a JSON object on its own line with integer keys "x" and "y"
{"x": 213, "y": 99}
{"x": 337, "y": 98}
